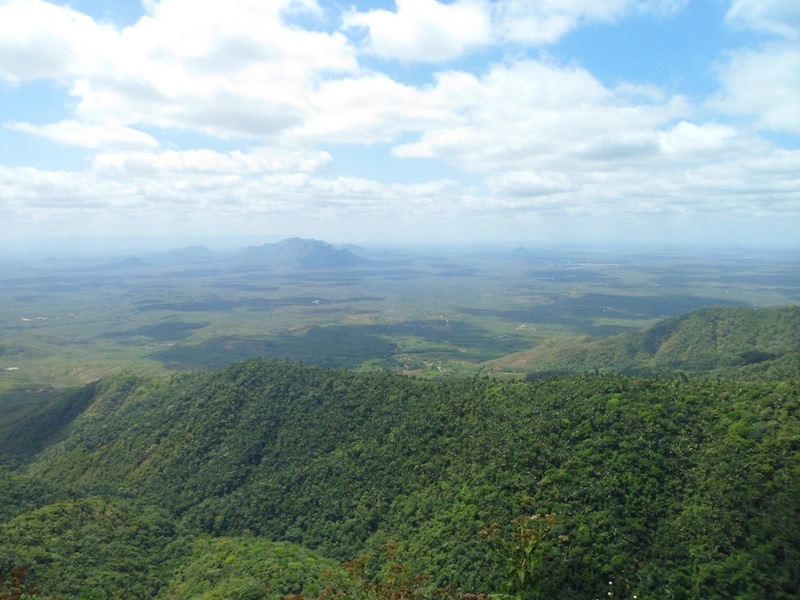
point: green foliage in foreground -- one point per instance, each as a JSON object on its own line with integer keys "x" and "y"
{"x": 91, "y": 548}
{"x": 666, "y": 487}
{"x": 244, "y": 568}
{"x": 113, "y": 548}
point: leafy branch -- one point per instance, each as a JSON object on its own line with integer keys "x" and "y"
{"x": 526, "y": 541}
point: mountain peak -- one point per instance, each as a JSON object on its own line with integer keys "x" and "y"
{"x": 300, "y": 252}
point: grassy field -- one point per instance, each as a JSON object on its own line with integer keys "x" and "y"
{"x": 445, "y": 313}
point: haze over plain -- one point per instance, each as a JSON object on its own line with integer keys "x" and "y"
{"x": 632, "y": 121}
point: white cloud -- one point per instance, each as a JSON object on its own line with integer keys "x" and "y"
{"x": 39, "y": 39}
{"x": 89, "y": 135}
{"x": 433, "y": 31}
{"x": 547, "y": 21}
{"x": 553, "y": 140}
{"x": 263, "y": 188}
{"x": 174, "y": 163}
{"x": 424, "y": 30}
{"x": 529, "y": 184}
{"x": 371, "y": 108}
{"x": 232, "y": 73}
{"x": 532, "y": 138}
{"x": 208, "y": 187}
{"x": 237, "y": 72}
{"x": 779, "y": 17}
{"x": 534, "y": 114}
{"x": 29, "y": 195}
{"x": 689, "y": 140}
{"x": 763, "y": 84}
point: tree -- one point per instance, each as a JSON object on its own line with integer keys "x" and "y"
{"x": 526, "y": 543}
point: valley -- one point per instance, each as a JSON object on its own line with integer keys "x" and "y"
{"x": 65, "y": 321}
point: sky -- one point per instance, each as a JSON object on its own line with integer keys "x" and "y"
{"x": 660, "y": 122}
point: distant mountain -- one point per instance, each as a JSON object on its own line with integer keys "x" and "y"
{"x": 715, "y": 339}
{"x": 356, "y": 249}
{"x": 521, "y": 252}
{"x": 131, "y": 262}
{"x": 303, "y": 253}
{"x": 190, "y": 252}
{"x": 188, "y": 255}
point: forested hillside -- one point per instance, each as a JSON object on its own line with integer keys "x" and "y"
{"x": 740, "y": 342}
{"x": 260, "y": 480}
{"x": 267, "y": 474}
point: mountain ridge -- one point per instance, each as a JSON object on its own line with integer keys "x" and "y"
{"x": 300, "y": 252}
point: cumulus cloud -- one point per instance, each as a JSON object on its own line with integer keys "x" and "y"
{"x": 529, "y": 184}
{"x": 779, "y": 17}
{"x": 552, "y": 139}
{"x": 433, "y": 31}
{"x": 238, "y": 72}
{"x": 371, "y": 108}
{"x": 218, "y": 188}
{"x": 547, "y": 21}
{"x": 424, "y": 30}
{"x": 763, "y": 84}
{"x": 89, "y": 135}
{"x": 522, "y": 137}
{"x": 690, "y": 140}
{"x": 39, "y": 39}
{"x": 171, "y": 163}
{"x": 536, "y": 114}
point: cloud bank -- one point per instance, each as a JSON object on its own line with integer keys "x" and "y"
{"x": 199, "y": 114}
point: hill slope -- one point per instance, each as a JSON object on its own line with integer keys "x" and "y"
{"x": 734, "y": 341}
{"x": 106, "y": 547}
{"x": 658, "y": 484}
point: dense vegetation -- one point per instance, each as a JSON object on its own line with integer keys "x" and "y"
{"x": 728, "y": 341}
{"x": 258, "y": 480}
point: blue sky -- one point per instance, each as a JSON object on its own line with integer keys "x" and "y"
{"x": 493, "y": 121}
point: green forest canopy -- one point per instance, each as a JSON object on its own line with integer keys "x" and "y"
{"x": 257, "y": 480}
